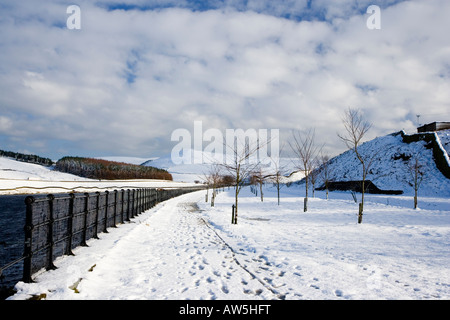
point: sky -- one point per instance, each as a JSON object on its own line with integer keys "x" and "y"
{"x": 137, "y": 70}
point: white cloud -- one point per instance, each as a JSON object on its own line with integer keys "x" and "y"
{"x": 128, "y": 78}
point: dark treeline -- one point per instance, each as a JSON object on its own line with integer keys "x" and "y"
{"x": 31, "y": 158}
{"x": 111, "y": 170}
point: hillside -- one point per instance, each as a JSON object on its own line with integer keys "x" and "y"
{"x": 106, "y": 169}
{"x": 201, "y": 165}
{"x": 11, "y": 169}
{"x": 389, "y": 170}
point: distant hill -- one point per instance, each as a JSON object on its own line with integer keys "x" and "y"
{"x": 29, "y": 158}
{"x": 197, "y": 171}
{"x": 105, "y": 169}
{"x": 392, "y": 154}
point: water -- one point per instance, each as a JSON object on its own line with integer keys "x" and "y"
{"x": 12, "y": 221}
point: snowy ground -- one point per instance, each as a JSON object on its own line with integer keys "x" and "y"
{"x": 25, "y": 178}
{"x": 186, "y": 249}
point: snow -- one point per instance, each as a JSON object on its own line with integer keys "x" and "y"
{"x": 200, "y": 166}
{"x": 186, "y": 249}
{"x": 444, "y": 137}
{"x": 389, "y": 171}
{"x": 26, "y": 178}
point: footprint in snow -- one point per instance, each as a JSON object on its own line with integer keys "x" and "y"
{"x": 338, "y": 293}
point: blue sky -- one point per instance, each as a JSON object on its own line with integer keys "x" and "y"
{"x": 137, "y": 70}
{"x": 298, "y": 10}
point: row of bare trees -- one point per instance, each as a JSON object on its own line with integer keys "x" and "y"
{"x": 310, "y": 160}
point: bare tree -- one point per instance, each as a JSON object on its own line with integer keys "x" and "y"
{"x": 277, "y": 172}
{"x": 213, "y": 179}
{"x": 259, "y": 177}
{"x": 325, "y": 171}
{"x": 304, "y": 147}
{"x": 242, "y": 165}
{"x": 417, "y": 174}
{"x": 314, "y": 174}
{"x": 356, "y": 127}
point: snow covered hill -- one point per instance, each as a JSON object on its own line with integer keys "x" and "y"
{"x": 25, "y": 178}
{"x": 17, "y": 170}
{"x": 389, "y": 170}
{"x": 201, "y": 164}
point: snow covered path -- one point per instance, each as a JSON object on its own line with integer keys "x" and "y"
{"x": 186, "y": 249}
{"x": 171, "y": 254}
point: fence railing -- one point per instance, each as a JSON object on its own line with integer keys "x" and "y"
{"x": 54, "y": 225}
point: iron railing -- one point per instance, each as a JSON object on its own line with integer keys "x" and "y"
{"x": 54, "y": 225}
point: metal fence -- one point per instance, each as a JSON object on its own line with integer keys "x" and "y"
{"x": 54, "y": 225}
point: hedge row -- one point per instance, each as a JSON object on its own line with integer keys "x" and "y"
{"x": 30, "y": 158}
{"x": 111, "y": 170}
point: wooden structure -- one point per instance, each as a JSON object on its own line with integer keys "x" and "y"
{"x": 434, "y": 126}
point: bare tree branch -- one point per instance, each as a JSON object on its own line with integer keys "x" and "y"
{"x": 356, "y": 128}
{"x": 304, "y": 147}
{"x": 244, "y": 162}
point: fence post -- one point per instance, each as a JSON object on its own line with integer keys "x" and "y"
{"x": 146, "y": 197}
{"x": 86, "y": 211}
{"x": 128, "y": 205}
{"x": 105, "y": 225}
{"x": 140, "y": 201}
{"x": 143, "y": 199}
{"x": 132, "y": 204}
{"x": 123, "y": 203}
{"x": 95, "y": 236}
{"x": 27, "y": 251}
{"x": 70, "y": 225}
{"x": 50, "y": 243}
{"x": 115, "y": 209}
{"x": 137, "y": 199}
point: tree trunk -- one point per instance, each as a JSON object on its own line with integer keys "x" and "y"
{"x": 415, "y": 199}
{"x": 236, "y": 207}
{"x": 305, "y": 204}
{"x": 278, "y": 191}
{"x": 261, "y": 191}
{"x": 361, "y": 205}
{"x": 360, "y": 213}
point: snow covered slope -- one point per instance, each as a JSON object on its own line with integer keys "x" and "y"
{"x": 444, "y": 136}
{"x": 25, "y": 178}
{"x": 389, "y": 170}
{"x": 201, "y": 164}
{"x": 12, "y": 169}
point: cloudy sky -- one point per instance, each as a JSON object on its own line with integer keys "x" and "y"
{"x": 137, "y": 70}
